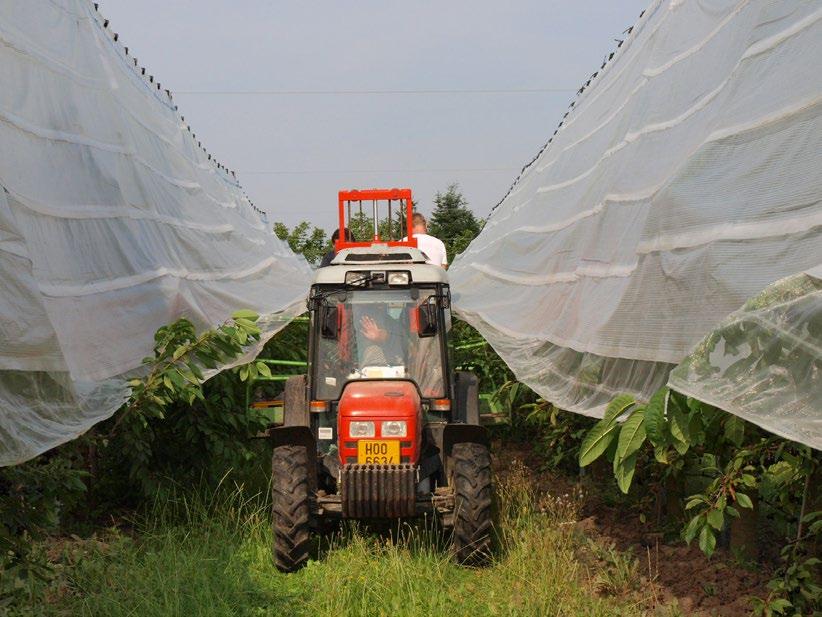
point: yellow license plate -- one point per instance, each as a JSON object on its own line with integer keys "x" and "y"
{"x": 378, "y": 452}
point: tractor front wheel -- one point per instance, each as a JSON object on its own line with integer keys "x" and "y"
{"x": 291, "y": 508}
{"x": 471, "y": 478}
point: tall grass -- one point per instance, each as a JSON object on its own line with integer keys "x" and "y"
{"x": 208, "y": 553}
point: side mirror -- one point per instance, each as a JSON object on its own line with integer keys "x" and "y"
{"x": 329, "y": 321}
{"x": 427, "y": 320}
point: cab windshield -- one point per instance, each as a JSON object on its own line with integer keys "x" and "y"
{"x": 376, "y": 336}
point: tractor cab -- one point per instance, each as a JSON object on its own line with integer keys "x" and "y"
{"x": 381, "y": 426}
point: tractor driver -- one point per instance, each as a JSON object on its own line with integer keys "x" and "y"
{"x": 383, "y": 344}
{"x": 388, "y": 344}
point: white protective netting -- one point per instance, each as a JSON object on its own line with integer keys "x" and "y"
{"x": 113, "y": 222}
{"x": 764, "y": 361}
{"x": 685, "y": 179}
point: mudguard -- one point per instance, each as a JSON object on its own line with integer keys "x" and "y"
{"x": 466, "y": 397}
{"x": 463, "y": 433}
{"x": 295, "y": 405}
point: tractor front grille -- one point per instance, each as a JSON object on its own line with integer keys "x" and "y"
{"x": 378, "y": 491}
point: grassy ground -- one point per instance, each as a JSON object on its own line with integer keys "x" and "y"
{"x": 210, "y": 555}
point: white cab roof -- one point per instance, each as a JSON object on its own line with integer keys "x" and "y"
{"x": 380, "y": 257}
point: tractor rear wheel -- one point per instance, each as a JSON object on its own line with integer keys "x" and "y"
{"x": 471, "y": 478}
{"x": 291, "y": 508}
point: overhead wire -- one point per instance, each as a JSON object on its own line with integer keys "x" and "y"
{"x": 377, "y": 171}
{"x": 381, "y": 91}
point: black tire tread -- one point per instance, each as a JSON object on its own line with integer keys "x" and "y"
{"x": 471, "y": 478}
{"x": 290, "y": 506}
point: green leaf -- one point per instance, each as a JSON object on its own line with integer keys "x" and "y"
{"x": 681, "y": 447}
{"x": 195, "y": 370}
{"x": 246, "y": 324}
{"x": 245, "y": 314}
{"x": 779, "y": 605}
{"x": 177, "y": 379}
{"x": 735, "y": 430}
{"x": 661, "y": 455}
{"x": 716, "y": 519}
{"x": 695, "y": 404}
{"x": 631, "y": 435}
{"x": 244, "y": 373}
{"x": 596, "y": 441}
{"x": 618, "y": 406}
{"x": 707, "y": 540}
{"x": 748, "y": 480}
{"x": 744, "y": 501}
{"x": 692, "y": 528}
{"x": 693, "y": 502}
{"x": 811, "y": 516}
{"x": 624, "y": 472}
{"x": 655, "y": 418}
{"x": 679, "y": 430}
{"x": 263, "y": 369}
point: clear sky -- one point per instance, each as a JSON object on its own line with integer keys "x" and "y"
{"x": 305, "y": 98}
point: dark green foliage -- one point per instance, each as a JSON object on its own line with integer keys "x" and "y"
{"x": 473, "y": 353}
{"x": 796, "y": 589}
{"x": 194, "y": 432}
{"x": 174, "y": 426}
{"x": 453, "y": 222}
{"x": 33, "y": 497}
{"x": 362, "y": 226}
{"x": 557, "y": 434}
{"x": 304, "y": 239}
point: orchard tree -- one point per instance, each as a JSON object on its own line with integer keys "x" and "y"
{"x": 362, "y": 226}
{"x": 305, "y": 239}
{"x": 453, "y": 222}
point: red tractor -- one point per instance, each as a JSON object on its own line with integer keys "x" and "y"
{"x": 381, "y": 427}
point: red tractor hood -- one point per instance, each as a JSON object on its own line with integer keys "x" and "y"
{"x": 379, "y": 399}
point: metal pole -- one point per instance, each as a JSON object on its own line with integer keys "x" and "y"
{"x": 376, "y": 225}
{"x": 390, "y": 222}
{"x": 402, "y": 227}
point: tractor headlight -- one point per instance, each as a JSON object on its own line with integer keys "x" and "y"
{"x": 399, "y": 278}
{"x": 393, "y": 428}
{"x": 359, "y": 428}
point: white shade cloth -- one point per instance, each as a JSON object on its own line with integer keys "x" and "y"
{"x": 685, "y": 180}
{"x": 113, "y": 222}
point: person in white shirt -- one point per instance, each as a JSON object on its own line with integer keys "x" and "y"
{"x": 433, "y": 248}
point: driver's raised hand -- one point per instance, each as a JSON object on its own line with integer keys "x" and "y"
{"x": 371, "y": 330}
